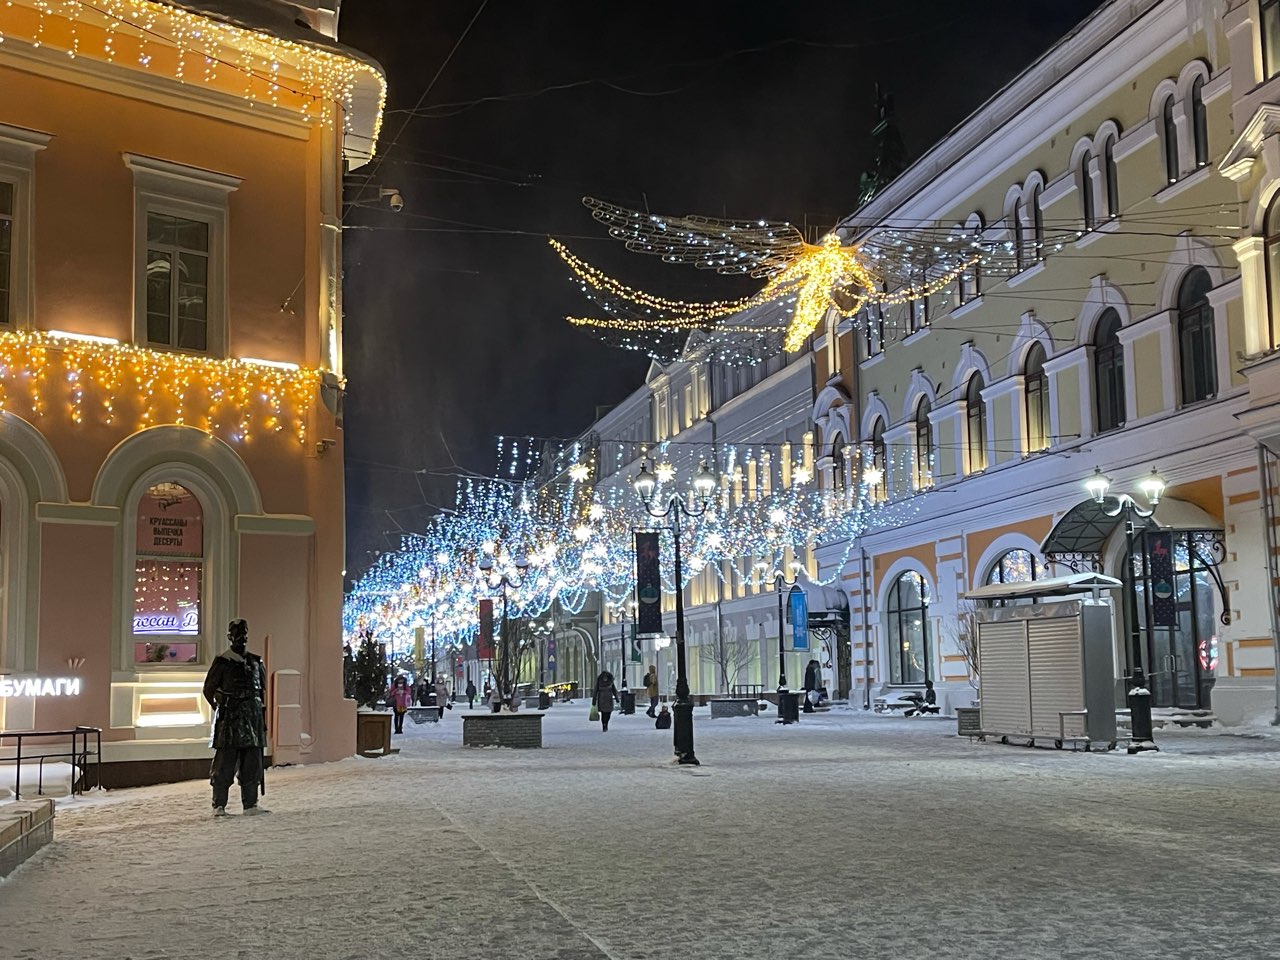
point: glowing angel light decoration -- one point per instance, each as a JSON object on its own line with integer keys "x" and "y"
{"x": 803, "y": 281}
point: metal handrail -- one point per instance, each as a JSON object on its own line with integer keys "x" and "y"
{"x": 78, "y": 755}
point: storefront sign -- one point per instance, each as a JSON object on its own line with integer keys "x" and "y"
{"x": 170, "y": 523}
{"x": 798, "y": 607}
{"x": 185, "y": 624}
{"x": 40, "y": 687}
{"x": 648, "y": 585}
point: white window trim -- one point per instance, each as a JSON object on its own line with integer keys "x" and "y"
{"x": 18, "y": 149}
{"x": 218, "y": 586}
{"x": 160, "y": 186}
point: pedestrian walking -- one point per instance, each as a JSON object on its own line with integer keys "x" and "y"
{"x": 422, "y": 692}
{"x": 234, "y": 687}
{"x": 471, "y": 694}
{"x": 400, "y": 697}
{"x": 651, "y": 688}
{"x": 442, "y": 698}
{"x": 606, "y": 695}
{"x": 811, "y": 685}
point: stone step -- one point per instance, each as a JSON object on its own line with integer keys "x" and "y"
{"x": 25, "y": 827}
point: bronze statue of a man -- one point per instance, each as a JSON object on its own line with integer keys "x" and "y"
{"x": 235, "y": 687}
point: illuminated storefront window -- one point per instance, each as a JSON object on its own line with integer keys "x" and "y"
{"x": 168, "y": 576}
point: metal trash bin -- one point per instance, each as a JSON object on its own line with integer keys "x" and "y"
{"x": 628, "y": 701}
{"x": 544, "y": 700}
{"x": 788, "y": 707}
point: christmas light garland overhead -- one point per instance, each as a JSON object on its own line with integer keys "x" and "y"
{"x": 804, "y": 282}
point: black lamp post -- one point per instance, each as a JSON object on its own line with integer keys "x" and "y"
{"x": 1141, "y": 732}
{"x": 505, "y": 580}
{"x": 787, "y": 712}
{"x": 704, "y": 485}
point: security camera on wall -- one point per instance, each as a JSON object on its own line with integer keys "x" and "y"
{"x": 394, "y": 200}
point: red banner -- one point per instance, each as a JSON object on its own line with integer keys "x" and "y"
{"x": 484, "y": 642}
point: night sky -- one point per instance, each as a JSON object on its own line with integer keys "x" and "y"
{"x": 454, "y": 306}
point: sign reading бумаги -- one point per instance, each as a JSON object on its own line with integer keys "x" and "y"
{"x": 39, "y": 687}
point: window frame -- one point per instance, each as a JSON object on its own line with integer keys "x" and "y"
{"x": 897, "y": 615}
{"x": 1197, "y": 359}
{"x": 1086, "y": 193}
{"x": 1269, "y": 10}
{"x": 1111, "y": 176}
{"x": 1036, "y": 400}
{"x": 173, "y": 189}
{"x": 18, "y": 149}
{"x": 1169, "y": 138}
{"x": 1108, "y": 373}
{"x": 880, "y": 460}
{"x": 976, "y": 424}
{"x": 1199, "y": 123}
{"x": 924, "y": 445}
{"x": 1271, "y": 266}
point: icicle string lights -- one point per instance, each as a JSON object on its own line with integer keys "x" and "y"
{"x": 158, "y": 37}
{"x": 107, "y": 381}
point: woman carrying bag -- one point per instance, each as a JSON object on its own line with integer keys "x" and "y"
{"x": 606, "y": 695}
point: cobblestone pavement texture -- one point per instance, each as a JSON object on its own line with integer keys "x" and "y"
{"x": 846, "y": 836}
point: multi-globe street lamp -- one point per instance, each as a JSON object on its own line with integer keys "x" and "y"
{"x": 704, "y": 485}
{"x": 787, "y": 712}
{"x": 1122, "y": 505}
{"x": 543, "y": 629}
{"x": 505, "y": 580}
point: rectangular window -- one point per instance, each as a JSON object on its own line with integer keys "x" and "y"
{"x": 1270, "y": 28}
{"x": 177, "y": 282}
{"x": 6, "y": 248}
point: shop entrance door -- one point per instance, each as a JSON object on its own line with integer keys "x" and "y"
{"x": 1173, "y": 661}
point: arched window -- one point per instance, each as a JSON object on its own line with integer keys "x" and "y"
{"x": 1112, "y": 177}
{"x": 1108, "y": 371}
{"x": 1016, "y": 566}
{"x": 1037, "y": 223}
{"x": 1019, "y": 244}
{"x": 1199, "y": 123}
{"x": 168, "y": 576}
{"x": 1197, "y": 350}
{"x": 1036, "y": 384}
{"x": 1272, "y": 246}
{"x": 924, "y": 445}
{"x": 837, "y": 465}
{"x": 880, "y": 490}
{"x": 976, "y": 417}
{"x": 1170, "y": 136}
{"x": 1086, "y": 193}
{"x": 1270, "y": 30}
{"x": 907, "y": 609}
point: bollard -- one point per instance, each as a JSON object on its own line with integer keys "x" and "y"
{"x": 1141, "y": 734}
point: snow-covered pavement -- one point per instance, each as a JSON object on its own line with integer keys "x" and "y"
{"x": 847, "y": 836}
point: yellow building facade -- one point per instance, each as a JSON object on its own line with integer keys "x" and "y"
{"x": 1127, "y": 175}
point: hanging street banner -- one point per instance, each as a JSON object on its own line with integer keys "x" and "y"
{"x": 419, "y": 649}
{"x": 484, "y": 642}
{"x": 798, "y": 608}
{"x": 1164, "y": 608}
{"x": 635, "y": 646}
{"x": 648, "y": 585}
{"x": 551, "y": 654}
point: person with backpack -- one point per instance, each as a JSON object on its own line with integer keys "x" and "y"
{"x": 606, "y": 695}
{"x": 651, "y": 688}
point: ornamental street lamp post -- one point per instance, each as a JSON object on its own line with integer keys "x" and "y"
{"x": 505, "y": 580}
{"x": 542, "y": 631}
{"x": 788, "y": 702}
{"x": 704, "y": 484}
{"x": 1141, "y": 731}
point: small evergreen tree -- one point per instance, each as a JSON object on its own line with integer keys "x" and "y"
{"x": 370, "y": 672}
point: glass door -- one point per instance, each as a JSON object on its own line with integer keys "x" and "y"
{"x": 1174, "y": 667}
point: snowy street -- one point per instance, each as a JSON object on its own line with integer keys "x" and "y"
{"x": 849, "y": 836}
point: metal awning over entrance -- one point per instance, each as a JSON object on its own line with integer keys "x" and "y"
{"x": 1084, "y": 530}
{"x": 1071, "y": 585}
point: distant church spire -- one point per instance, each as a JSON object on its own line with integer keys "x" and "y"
{"x": 891, "y": 155}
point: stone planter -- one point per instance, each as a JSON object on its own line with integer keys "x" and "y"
{"x": 502, "y": 730}
{"x": 373, "y": 733}
{"x": 734, "y": 707}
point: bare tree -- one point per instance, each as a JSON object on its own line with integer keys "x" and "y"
{"x": 965, "y": 635}
{"x": 730, "y": 654}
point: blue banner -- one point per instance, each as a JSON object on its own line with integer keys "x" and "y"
{"x": 1164, "y": 607}
{"x": 798, "y": 608}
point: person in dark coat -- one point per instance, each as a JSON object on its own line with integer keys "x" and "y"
{"x": 663, "y": 721}
{"x": 471, "y": 694}
{"x": 606, "y": 695}
{"x": 348, "y": 671}
{"x": 234, "y": 687}
{"x": 812, "y": 683}
{"x": 924, "y": 703}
